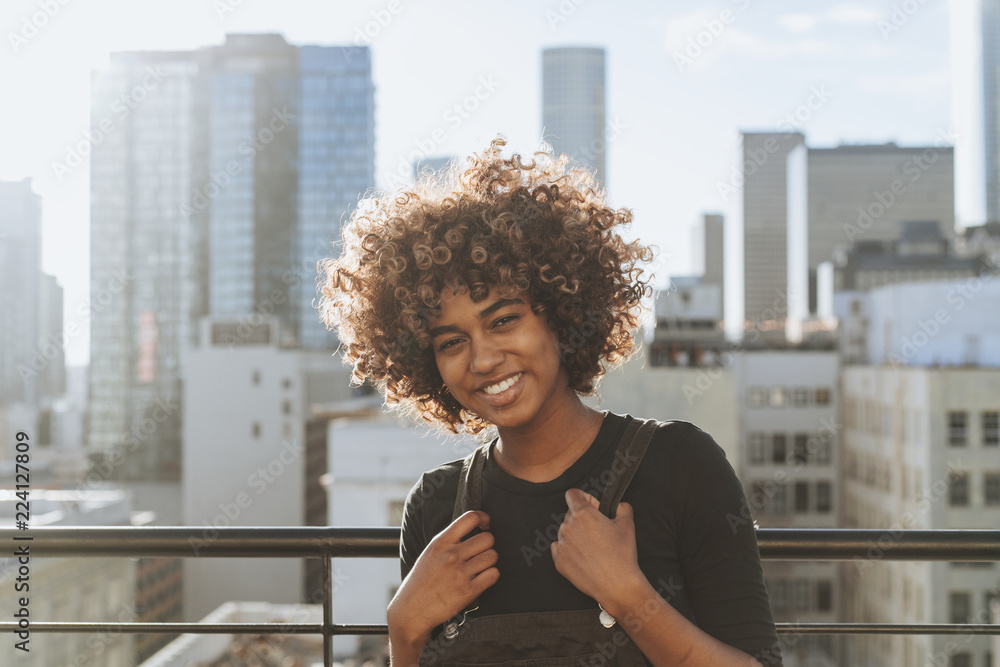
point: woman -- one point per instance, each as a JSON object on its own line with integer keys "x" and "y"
{"x": 496, "y": 298}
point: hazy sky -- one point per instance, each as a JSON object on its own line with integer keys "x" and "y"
{"x": 683, "y": 78}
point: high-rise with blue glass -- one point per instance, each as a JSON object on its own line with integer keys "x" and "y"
{"x": 221, "y": 179}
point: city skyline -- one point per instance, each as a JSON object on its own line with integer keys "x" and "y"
{"x": 678, "y": 106}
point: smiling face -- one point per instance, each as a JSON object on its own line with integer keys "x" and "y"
{"x": 500, "y": 359}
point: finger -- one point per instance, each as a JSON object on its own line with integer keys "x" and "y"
{"x": 482, "y": 562}
{"x": 476, "y": 545}
{"x": 465, "y": 524}
{"x": 484, "y": 580}
{"x": 594, "y": 502}
{"x": 624, "y": 511}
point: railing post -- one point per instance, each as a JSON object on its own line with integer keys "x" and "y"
{"x": 327, "y": 610}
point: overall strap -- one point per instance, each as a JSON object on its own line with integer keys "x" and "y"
{"x": 628, "y": 456}
{"x": 470, "y": 482}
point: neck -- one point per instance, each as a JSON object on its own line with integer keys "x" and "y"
{"x": 541, "y": 452}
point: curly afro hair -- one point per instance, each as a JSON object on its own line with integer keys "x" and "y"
{"x": 540, "y": 229}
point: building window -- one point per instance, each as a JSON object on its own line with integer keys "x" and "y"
{"x": 800, "y": 397}
{"x": 256, "y": 377}
{"x": 957, "y": 421}
{"x": 822, "y": 396}
{"x": 756, "y": 441}
{"x": 800, "y": 450}
{"x": 756, "y": 397}
{"x": 823, "y": 501}
{"x": 286, "y": 407}
{"x": 961, "y": 660}
{"x": 824, "y": 595}
{"x": 779, "y": 397}
{"x": 991, "y": 488}
{"x": 960, "y": 607}
{"x": 823, "y": 451}
{"x": 958, "y": 490}
{"x": 780, "y": 500}
{"x": 286, "y": 383}
{"x": 255, "y": 429}
{"x": 991, "y": 429}
{"x": 779, "y": 448}
{"x": 802, "y": 595}
{"x": 801, "y": 497}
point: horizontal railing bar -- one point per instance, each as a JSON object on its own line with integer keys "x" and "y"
{"x": 305, "y": 542}
{"x": 887, "y": 628}
{"x": 374, "y": 629}
{"x": 191, "y": 541}
{"x": 171, "y": 628}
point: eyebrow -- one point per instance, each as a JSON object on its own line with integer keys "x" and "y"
{"x": 483, "y": 314}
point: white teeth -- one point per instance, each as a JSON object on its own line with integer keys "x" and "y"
{"x": 499, "y": 387}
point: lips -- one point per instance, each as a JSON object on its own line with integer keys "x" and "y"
{"x": 503, "y": 385}
{"x": 505, "y": 391}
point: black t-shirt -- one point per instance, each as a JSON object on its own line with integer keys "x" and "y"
{"x": 694, "y": 543}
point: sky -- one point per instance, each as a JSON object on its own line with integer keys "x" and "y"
{"x": 683, "y": 79}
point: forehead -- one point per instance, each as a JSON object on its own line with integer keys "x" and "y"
{"x": 456, "y": 301}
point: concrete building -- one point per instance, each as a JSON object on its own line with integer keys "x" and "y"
{"x": 921, "y": 252}
{"x": 219, "y": 182}
{"x": 790, "y": 462}
{"x": 83, "y": 590}
{"x": 713, "y": 226}
{"x": 870, "y": 192}
{"x": 921, "y": 451}
{"x": 247, "y": 458}
{"x": 573, "y": 105}
{"x": 933, "y": 323}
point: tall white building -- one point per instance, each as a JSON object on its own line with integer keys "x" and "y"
{"x": 573, "y": 105}
{"x": 921, "y": 450}
{"x": 248, "y": 457}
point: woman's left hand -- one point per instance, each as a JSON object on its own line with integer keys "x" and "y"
{"x": 597, "y": 554}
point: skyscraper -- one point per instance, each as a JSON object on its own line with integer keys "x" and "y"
{"x": 765, "y": 228}
{"x": 991, "y": 121}
{"x": 573, "y": 105}
{"x": 20, "y": 275}
{"x": 220, "y": 182}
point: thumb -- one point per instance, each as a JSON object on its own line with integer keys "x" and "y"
{"x": 578, "y": 498}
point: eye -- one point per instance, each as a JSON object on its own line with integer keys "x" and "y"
{"x": 448, "y": 344}
{"x": 506, "y": 319}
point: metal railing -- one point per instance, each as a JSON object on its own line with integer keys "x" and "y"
{"x": 329, "y": 543}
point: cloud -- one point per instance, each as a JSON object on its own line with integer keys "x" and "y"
{"x": 797, "y": 22}
{"x": 852, "y": 14}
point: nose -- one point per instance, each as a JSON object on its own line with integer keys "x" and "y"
{"x": 486, "y": 355}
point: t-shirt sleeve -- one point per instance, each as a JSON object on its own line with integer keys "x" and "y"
{"x": 719, "y": 553}
{"x": 412, "y": 539}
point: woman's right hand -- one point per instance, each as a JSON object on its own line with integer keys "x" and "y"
{"x": 447, "y": 577}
